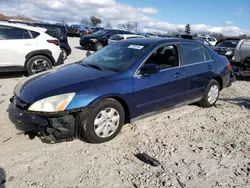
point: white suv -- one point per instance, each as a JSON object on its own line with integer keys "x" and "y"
{"x": 29, "y": 48}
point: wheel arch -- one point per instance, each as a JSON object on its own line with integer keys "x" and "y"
{"x": 45, "y": 53}
{"x": 121, "y": 101}
{"x": 219, "y": 80}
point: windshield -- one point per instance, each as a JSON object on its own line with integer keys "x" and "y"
{"x": 116, "y": 57}
{"x": 101, "y": 32}
{"x": 228, "y": 44}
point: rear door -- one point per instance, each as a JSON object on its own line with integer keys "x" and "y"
{"x": 199, "y": 69}
{"x": 163, "y": 89}
{"x": 15, "y": 44}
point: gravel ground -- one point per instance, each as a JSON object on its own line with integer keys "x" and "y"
{"x": 197, "y": 147}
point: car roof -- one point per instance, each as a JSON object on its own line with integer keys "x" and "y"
{"x": 23, "y": 26}
{"x": 130, "y": 35}
{"x": 157, "y": 41}
{"x": 48, "y": 24}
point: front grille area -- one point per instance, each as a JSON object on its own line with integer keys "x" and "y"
{"x": 19, "y": 103}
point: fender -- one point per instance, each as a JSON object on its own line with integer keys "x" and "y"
{"x": 86, "y": 101}
{"x": 44, "y": 52}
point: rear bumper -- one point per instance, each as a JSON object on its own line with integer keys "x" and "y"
{"x": 232, "y": 79}
{"x": 60, "y": 60}
{"x": 50, "y": 129}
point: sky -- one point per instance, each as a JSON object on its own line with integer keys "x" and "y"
{"x": 230, "y": 17}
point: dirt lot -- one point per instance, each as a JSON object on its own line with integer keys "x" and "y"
{"x": 196, "y": 147}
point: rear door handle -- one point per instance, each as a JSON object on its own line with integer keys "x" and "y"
{"x": 209, "y": 67}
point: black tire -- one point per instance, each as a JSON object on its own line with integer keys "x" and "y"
{"x": 31, "y": 64}
{"x": 205, "y": 102}
{"x": 85, "y": 120}
{"x": 64, "y": 53}
{"x": 98, "y": 46}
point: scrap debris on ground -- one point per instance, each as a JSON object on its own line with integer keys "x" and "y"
{"x": 196, "y": 147}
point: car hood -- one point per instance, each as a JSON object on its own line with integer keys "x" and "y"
{"x": 58, "y": 81}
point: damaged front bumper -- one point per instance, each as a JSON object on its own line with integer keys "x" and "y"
{"x": 50, "y": 128}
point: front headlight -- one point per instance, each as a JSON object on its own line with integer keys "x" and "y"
{"x": 93, "y": 40}
{"x": 229, "y": 52}
{"x": 52, "y": 104}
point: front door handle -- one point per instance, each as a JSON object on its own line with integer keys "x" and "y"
{"x": 178, "y": 75}
{"x": 27, "y": 44}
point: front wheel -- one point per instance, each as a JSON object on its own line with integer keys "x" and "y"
{"x": 211, "y": 94}
{"x": 38, "y": 64}
{"x": 101, "y": 122}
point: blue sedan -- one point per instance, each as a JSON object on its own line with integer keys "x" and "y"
{"x": 92, "y": 99}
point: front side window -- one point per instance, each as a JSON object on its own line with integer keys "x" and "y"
{"x": 13, "y": 33}
{"x": 166, "y": 57}
{"x": 194, "y": 53}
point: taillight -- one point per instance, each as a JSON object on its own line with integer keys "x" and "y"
{"x": 229, "y": 66}
{"x": 55, "y": 42}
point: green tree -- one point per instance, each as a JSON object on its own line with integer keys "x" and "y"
{"x": 95, "y": 21}
{"x": 188, "y": 29}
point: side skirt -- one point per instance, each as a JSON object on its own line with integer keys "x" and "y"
{"x": 165, "y": 109}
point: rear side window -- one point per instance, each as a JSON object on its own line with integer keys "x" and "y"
{"x": 13, "y": 33}
{"x": 116, "y": 37}
{"x": 194, "y": 53}
{"x": 34, "y": 34}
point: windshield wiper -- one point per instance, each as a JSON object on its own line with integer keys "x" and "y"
{"x": 93, "y": 66}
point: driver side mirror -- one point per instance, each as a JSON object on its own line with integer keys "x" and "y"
{"x": 150, "y": 69}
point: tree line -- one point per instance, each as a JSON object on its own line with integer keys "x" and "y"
{"x": 133, "y": 26}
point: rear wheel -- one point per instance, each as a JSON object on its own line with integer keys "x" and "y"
{"x": 211, "y": 94}
{"x": 38, "y": 63}
{"x": 101, "y": 122}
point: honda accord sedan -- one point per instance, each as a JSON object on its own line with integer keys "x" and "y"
{"x": 92, "y": 99}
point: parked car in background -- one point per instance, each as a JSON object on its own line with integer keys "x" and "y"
{"x": 27, "y": 48}
{"x": 211, "y": 40}
{"x": 125, "y": 81}
{"x": 228, "y": 38}
{"x": 241, "y": 59}
{"x": 150, "y": 35}
{"x": 226, "y": 48}
{"x": 203, "y": 41}
{"x": 99, "y": 39}
{"x": 78, "y": 30}
{"x": 58, "y": 31}
{"x": 119, "y": 37}
{"x": 95, "y": 29}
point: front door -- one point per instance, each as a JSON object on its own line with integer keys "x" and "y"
{"x": 163, "y": 89}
